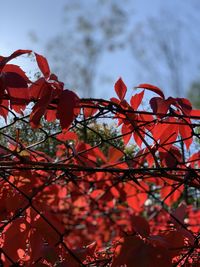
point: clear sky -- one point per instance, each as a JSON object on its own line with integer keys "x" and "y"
{"x": 31, "y": 24}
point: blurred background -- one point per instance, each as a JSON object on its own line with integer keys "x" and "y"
{"x": 91, "y": 43}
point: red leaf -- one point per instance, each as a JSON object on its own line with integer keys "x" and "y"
{"x": 172, "y": 157}
{"x": 175, "y": 241}
{"x": 114, "y": 191}
{"x": 83, "y": 253}
{"x": 134, "y": 197}
{"x": 136, "y": 100}
{"x": 171, "y": 193}
{"x": 91, "y": 248}
{"x": 87, "y": 154}
{"x": 159, "y": 105}
{"x": 4, "y": 108}
{"x": 135, "y": 251}
{"x": 66, "y": 135}
{"x": 99, "y": 154}
{"x": 180, "y": 213}
{"x": 120, "y": 89}
{"x": 185, "y": 105}
{"x": 90, "y": 110}
{"x": 127, "y": 133}
{"x": 36, "y": 89}
{"x": 195, "y": 113}
{"x": 114, "y": 154}
{"x": 115, "y": 100}
{"x": 43, "y": 65}
{"x": 43, "y": 228}
{"x": 40, "y": 107}
{"x": 186, "y": 133}
{"x": 194, "y": 219}
{"x": 194, "y": 159}
{"x": 96, "y": 194}
{"x": 16, "y": 69}
{"x": 50, "y": 115}
{"x": 12, "y": 79}
{"x": 147, "y": 118}
{"x": 18, "y": 53}
{"x": 17, "y": 232}
{"x": 137, "y": 138}
{"x": 65, "y": 113}
{"x": 18, "y": 95}
{"x": 152, "y": 88}
{"x": 140, "y": 225}
{"x": 4, "y": 60}
{"x": 166, "y": 132}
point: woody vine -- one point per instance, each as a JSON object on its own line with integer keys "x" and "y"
{"x": 97, "y": 202}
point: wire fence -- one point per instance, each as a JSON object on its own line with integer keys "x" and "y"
{"x": 66, "y": 193}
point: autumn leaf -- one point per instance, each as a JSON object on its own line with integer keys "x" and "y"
{"x": 152, "y": 88}
{"x": 39, "y": 109}
{"x": 18, "y": 232}
{"x": 179, "y": 213}
{"x": 120, "y": 89}
{"x": 114, "y": 154}
{"x": 43, "y": 65}
{"x": 68, "y": 101}
{"x": 175, "y": 241}
{"x": 185, "y": 105}
{"x": 136, "y": 251}
{"x": 186, "y": 133}
{"x": 195, "y": 113}
{"x": 159, "y": 105}
{"x": 136, "y": 100}
{"x": 67, "y": 135}
{"x": 13, "y": 79}
{"x": 140, "y": 225}
{"x": 135, "y": 197}
{"x": 4, "y": 60}
{"x": 16, "y": 69}
{"x": 4, "y": 108}
{"x": 170, "y": 193}
{"x": 127, "y": 133}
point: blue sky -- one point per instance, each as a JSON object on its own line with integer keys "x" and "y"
{"x": 31, "y": 24}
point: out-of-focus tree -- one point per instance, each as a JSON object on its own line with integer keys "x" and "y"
{"x": 164, "y": 47}
{"x": 89, "y": 30}
{"x": 194, "y": 94}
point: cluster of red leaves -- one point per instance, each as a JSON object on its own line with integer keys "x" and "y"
{"x": 134, "y": 124}
{"x": 17, "y": 91}
{"x": 93, "y": 210}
